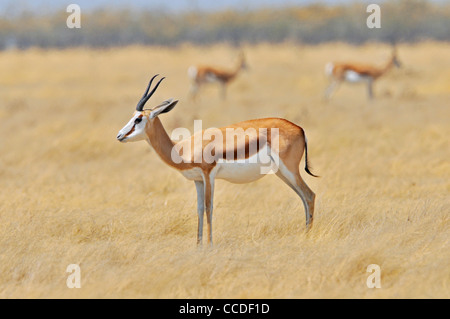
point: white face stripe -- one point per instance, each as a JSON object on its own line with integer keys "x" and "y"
{"x": 133, "y": 131}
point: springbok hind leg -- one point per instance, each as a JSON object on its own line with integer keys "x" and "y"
{"x": 310, "y": 199}
{"x": 295, "y": 181}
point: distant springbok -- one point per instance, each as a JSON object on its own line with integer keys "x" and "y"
{"x": 201, "y": 75}
{"x": 236, "y": 162}
{"x": 356, "y": 73}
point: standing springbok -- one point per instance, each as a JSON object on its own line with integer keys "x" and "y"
{"x": 201, "y": 75}
{"x": 284, "y": 141}
{"x": 355, "y": 73}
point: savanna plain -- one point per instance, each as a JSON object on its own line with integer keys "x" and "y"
{"x": 72, "y": 194}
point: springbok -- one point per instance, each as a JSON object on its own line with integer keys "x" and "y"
{"x": 355, "y": 73}
{"x": 201, "y": 75}
{"x": 239, "y": 162}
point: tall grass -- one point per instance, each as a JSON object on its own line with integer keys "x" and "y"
{"x": 71, "y": 194}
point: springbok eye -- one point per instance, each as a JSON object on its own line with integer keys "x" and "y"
{"x": 138, "y": 120}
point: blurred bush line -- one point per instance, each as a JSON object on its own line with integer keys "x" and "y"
{"x": 401, "y": 21}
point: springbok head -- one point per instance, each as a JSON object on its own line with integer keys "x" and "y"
{"x": 134, "y": 130}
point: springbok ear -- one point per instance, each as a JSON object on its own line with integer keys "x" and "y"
{"x": 164, "y": 107}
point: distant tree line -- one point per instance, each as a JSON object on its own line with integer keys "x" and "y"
{"x": 401, "y": 20}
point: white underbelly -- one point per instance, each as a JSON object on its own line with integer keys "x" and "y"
{"x": 248, "y": 170}
{"x": 240, "y": 171}
{"x": 211, "y": 78}
{"x": 354, "y": 77}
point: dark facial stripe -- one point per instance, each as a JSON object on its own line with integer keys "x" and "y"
{"x": 131, "y": 131}
{"x": 133, "y": 128}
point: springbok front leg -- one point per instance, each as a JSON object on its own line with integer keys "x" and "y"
{"x": 332, "y": 87}
{"x": 200, "y": 209}
{"x": 223, "y": 91}
{"x": 193, "y": 90}
{"x": 370, "y": 88}
{"x": 209, "y": 195}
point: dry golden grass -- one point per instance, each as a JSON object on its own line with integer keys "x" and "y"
{"x": 71, "y": 194}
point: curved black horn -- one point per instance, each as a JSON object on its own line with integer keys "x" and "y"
{"x": 148, "y": 87}
{"x": 151, "y": 92}
{"x": 145, "y": 97}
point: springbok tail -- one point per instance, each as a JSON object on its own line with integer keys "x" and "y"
{"x": 307, "y": 166}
